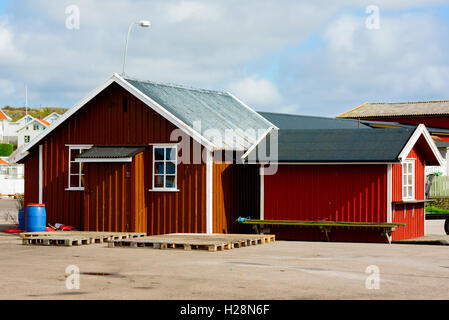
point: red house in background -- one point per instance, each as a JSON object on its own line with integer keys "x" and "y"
{"x": 430, "y": 113}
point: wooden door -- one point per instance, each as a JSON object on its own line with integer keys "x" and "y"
{"x": 107, "y": 197}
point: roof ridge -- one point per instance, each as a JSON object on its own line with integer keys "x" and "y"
{"x": 303, "y": 115}
{"x": 408, "y": 102}
{"x": 177, "y": 86}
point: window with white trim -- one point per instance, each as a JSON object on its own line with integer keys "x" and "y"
{"x": 408, "y": 179}
{"x": 76, "y": 169}
{"x": 165, "y": 167}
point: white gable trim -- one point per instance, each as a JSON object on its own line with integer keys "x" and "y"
{"x": 247, "y": 107}
{"x": 138, "y": 94}
{"x": 163, "y": 112}
{"x": 420, "y": 130}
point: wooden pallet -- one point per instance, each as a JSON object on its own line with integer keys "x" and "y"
{"x": 95, "y": 237}
{"x": 56, "y": 241}
{"x": 215, "y": 242}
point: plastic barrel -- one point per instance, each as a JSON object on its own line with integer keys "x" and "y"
{"x": 22, "y": 219}
{"x": 36, "y": 218}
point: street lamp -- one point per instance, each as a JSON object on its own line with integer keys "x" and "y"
{"x": 143, "y": 24}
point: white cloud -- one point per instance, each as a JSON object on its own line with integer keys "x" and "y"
{"x": 257, "y": 92}
{"x": 210, "y": 43}
{"x": 192, "y": 10}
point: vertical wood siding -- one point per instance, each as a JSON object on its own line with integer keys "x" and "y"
{"x": 236, "y": 194}
{"x": 412, "y": 214}
{"x": 355, "y": 193}
{"x": 103, "y": 122}
{"x": 415, "y": 153}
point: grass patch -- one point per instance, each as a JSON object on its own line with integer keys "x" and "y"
{"x": 432, "y": 209}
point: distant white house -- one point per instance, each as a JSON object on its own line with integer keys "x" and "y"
{"x": 4, "y": 120}
{"x": 51, "y": 118}
{"x": 29, "y": 130}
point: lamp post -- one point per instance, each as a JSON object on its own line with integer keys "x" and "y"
{"x": 143, "y": 24}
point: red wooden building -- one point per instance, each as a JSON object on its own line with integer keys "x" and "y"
{"x": 433, "y": 114}
{"x": 348, "y": 175}
{"x": 146, "y": 157}
{"x": 142, "y": 156}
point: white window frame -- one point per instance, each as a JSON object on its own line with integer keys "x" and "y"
{"x": 25, "y": 139}
{"x": 79, "y": 174}
{"x": 405, "y": 175}
{"x": 165, "y": 189}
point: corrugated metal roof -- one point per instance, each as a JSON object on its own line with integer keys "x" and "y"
{"x": 339, "y": 145}
{"x": 111, "y": 152}
{"x": 300, "y": 122}
{"x": 394, "y": 109}
{"x": 215, "y": 111}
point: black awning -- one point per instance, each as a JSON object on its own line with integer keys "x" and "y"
{"x": 111, "y": 152}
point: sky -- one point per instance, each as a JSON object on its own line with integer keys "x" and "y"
{"x": 304, "y": 57}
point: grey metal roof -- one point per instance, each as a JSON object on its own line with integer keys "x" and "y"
{"x": 300, "y": 122}
{"x": 111, "y": 152}
{"x": 338, "y": 145}
{"x": 215, "y": 111}
{"x": 392, "y": 109}
{"x": 374, "y": 124}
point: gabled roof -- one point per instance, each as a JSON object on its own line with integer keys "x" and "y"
{"x": 212, "y": 110}
{"x": 396, "y": 109}
{"x": 184, "y": 106}
{"x": 3, "y": 162}
{"x": 52, "y": 114}
{"x": 350, "y": 145}
{"x": 300, "y": 122}
{"x": 43, "y": 122}
{"x": 4, "y": 116}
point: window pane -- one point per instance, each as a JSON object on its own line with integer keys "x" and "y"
{"x": 159, "y": 154}
{"x": 73, "y": 154}
{"x": 171, "y": 168}
{"x": 158, "y": 168}
{"x": 410, "y": 180}
{"x": 74, "y": 181}
{"x": 170, "y": 181}
{"x": 74, "y": 167}
{"x": 170, "y": 154}
{"x": 158, "y": 181}
{"x": 410, "y": 192}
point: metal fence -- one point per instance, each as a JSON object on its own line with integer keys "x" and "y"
{"x": 440, "y": 187}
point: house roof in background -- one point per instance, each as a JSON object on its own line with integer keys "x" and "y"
{"x": 300, "y": 122}
{"x": 396, "y": 109}
{"x": 4, "y": 116}
{"x": 43, "y": 122}
{"x": 3, "y": 162}
{"x": 382, "y": 124}
{"x": 340, "y": 145}
{"x": 111, "y": 152}
{"x": 52, "y": 114}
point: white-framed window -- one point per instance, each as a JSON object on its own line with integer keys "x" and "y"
{"x": 165, "y": 167}
{"x": 408, "y": 179}
{"x": 76, "y": 169}
{"x": 26, "y": 139}
{"x": 35, "y": 127}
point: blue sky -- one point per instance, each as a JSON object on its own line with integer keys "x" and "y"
{"x": 304, "y": 57}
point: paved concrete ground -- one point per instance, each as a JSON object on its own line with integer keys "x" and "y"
{"x": 282, "y": 270}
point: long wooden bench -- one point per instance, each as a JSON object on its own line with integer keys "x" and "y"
{"x": 325, "y": 226}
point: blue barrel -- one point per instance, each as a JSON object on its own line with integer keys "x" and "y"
{"x": 21, "y": 219}
{"x": 36, "y": 218}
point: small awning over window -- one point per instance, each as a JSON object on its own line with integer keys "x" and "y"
{"x": 110, "y": 154}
